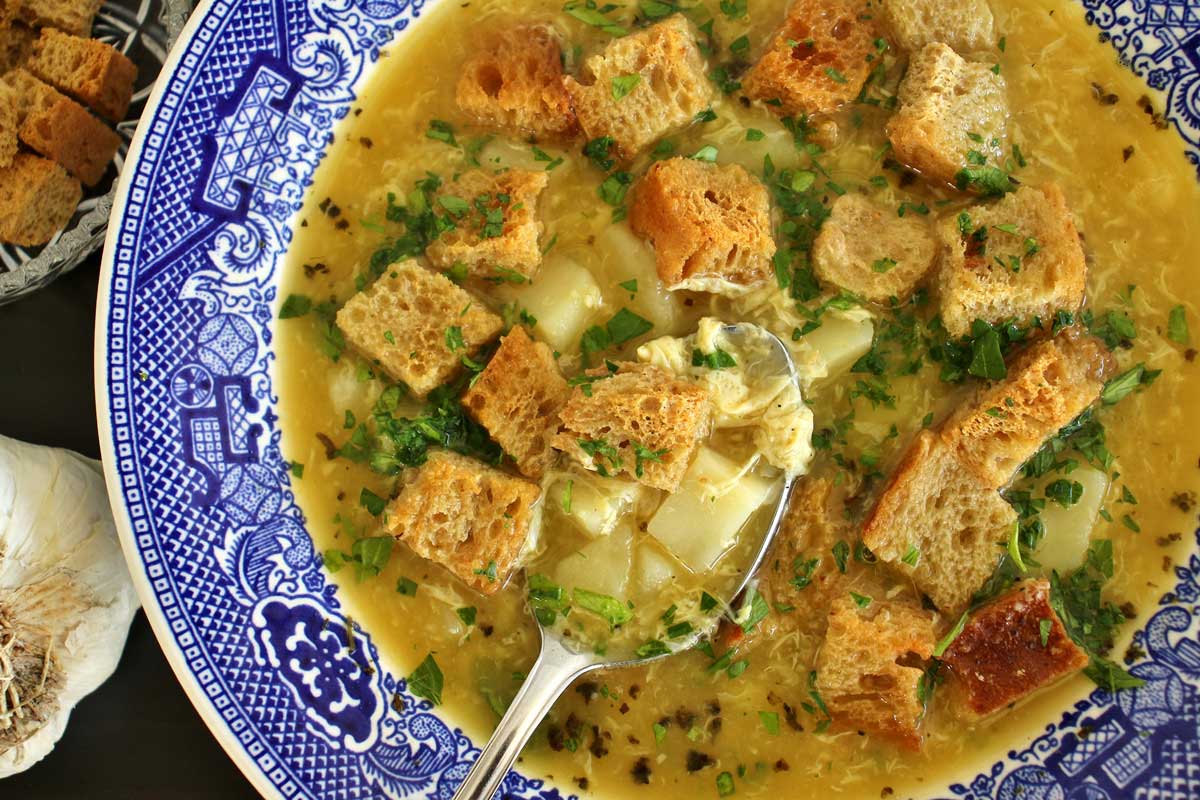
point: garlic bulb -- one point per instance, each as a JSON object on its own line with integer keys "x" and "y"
{"x": 66, "y": 599}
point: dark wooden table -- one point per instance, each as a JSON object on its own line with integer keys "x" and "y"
{"x": 137, "y": 736}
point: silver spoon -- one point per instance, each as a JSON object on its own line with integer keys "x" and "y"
{"x": 557, "y": 664}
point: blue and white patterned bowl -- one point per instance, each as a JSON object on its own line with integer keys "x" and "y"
{"x": 214, "y": 537}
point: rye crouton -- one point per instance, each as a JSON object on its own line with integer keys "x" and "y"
{"x": 69, "y": 16}
{"x": 8, "y": 126}
{"x": 710, "y": 225}
{"x": 938, "y": 524}
{"x": 1048, "y": 385}
{"x": 870, "y": 665}
{"x": 670, "y": 89}
{"x": 1031, "y": 263}
{"x": 801, "y": 570}
{"x": 1010, "y": 648}
{"x": 818, "y": 60}
{"x": 513, "y": 82}
{"x": 869, "y": 250}
{"x": 417, "y": 325}
{"x": 497, "y": 225}
{"x": 60, "y": 129}
{"x": 37, "y": 199}
{"x": 16, "y": 43}
{"x": 92, "y": 72}
{"x": 468, "y": 517}
{"x": 642, "y": 423}
{"x": 953, "y": 113}
{"x": 517, "y": 398}
{"x": 965, "y": 25}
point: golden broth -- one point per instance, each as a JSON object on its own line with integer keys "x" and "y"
{"x": 1139, "y": 211}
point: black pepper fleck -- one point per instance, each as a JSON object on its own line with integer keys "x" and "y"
{"x": 697, "y": 761}
{"x": 641, "y": 771}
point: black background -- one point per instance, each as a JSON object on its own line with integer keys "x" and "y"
{"x": 137, "y": 736}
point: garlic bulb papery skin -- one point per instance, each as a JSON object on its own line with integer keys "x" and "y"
{"x": 66, "y": 599}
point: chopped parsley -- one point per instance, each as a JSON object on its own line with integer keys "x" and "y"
{"x": 1121, "y": 386}
{"x": 426, "y": 680}
{"x": 948, "y": 639}
{"x": 599, "y": 151}
{"x": 373, "y": 503}
{"x": 987, "y": 181}
{"x": 547, "y": 599}
{"x": 610, "y": 609}
{"x": 406, "y": 586}
{"x": 490, "y": 572}
{"x": 588, "y": 14}
{"x": 883, "y": 265}
{"x": 295, "y": 305}
{"x": 717, "y": 359}
{"x": 841, "y": 553}
{"x": 1177, "y": 326}
{"x": 1064, "y": 492}
{"x": 622, "y": 85}
{"x": 467, "y": 615}
{"x": 754, "y": 135}
{"x": 643, "y": 454}
{"x": 600, "y": 449}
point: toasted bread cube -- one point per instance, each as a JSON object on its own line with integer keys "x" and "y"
{"x": 710, "y": 225}
{"x": 16, "y": 43}
{"x": 639, "y": 406}
{"x": 982, "y": 284}
{"x": 871, "y": 251}
{"x": 671, "y": 90}
{"x": 865, "y": 670}
{"x": 950, "y": 108}
{"x": 818, "y": 60}
{"x": 92, "y": 72}
{"x": 468, "y": 517}
{"x": 403, "y": 322}
{"x": 1048, "y": 385}
{"x": 1010, "y": 648}
{"x": 513, "y": 83}
{"x": 70, "y": 16}
{"x": 505, "y": 236}
{"x": 37, "y": 199}
{"x": 60, "y": 129}
{"x": 955, "y": 523}
{"x": 8, "y": 126}
{"x": 517, "y": 397}
{"x": 965, "y": 25}
{"x": 800, "y": 569}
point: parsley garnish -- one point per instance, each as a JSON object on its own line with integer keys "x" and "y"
{"x": 426, "y": 680}
{"x": 467, "y": 615}
{"x": 608, "y": 608}
{"x": 622, "y": 85}
{"x": 295, "y": 305}
{"x": 590, "y": 15}
{"x": 406, "y": 586}
{"x": 717, "y": 359}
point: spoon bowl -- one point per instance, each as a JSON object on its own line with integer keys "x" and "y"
{"x": 559, "y": 663}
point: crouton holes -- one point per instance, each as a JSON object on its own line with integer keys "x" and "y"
{"x": 841, "y": 29}
{"x": 490, "y": 80}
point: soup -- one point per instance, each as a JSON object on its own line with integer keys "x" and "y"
{"x": 745, "y": 711}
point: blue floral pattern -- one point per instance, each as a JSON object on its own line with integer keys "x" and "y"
{"x": 225, "y": 157}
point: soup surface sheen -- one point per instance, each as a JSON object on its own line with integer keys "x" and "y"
{"x": 1136, "y": 202}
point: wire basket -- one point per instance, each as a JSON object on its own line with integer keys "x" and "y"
{"x": 144, "y": 31}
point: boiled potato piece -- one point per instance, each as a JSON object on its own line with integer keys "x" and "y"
{"x": 701, "y": 520}
{"x": 626, "y": 257}
{"x": 563, "y": 296}
{"x": 653, "y": 569}
{"x": 601, "y": 566}
{"x": 1069, "y": 530}
{"x": 841, "y": 340}
{"x": 597, "y": 505}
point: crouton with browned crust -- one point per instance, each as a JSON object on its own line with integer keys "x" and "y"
{"x": 496, "y": 223}
{"x": 417, "y": 325}
{"x": 1026, "y": 265}
{"x": 1010, "y": 648}
{"x": 710, "y": 225}
{"x": 1048, "y": 385}
{"x": 513, "y": 83}
{"x": 642, "y": 86}
{"x": 871, "y": 663}
{"x": 641, "y": 422}
{"x": 469, "y": 517}
{"x": 819, "y": 59}
{"x": 517, "y": 398}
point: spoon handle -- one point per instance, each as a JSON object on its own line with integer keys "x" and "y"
{"x": 552, "y": 673}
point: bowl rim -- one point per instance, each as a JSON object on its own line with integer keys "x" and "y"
{"x": 198, "y": 698}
